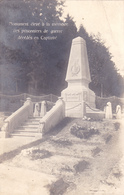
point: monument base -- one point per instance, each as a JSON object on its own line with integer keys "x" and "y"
{"x": 76, "y": 99}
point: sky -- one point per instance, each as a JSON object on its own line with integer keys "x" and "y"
{"x": 104, "y": 17}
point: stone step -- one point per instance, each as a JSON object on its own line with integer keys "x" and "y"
{"x": 17, "y": 134}
{"x": 25, "y": 133}
{"x": 33, "y": 120}
{"x": 21, "y": 129}
{"x": 32, "y": 123}
{"x": 27, "y": 130}
{"x": 35, "y": 117}
{"x": 28, "y": 127}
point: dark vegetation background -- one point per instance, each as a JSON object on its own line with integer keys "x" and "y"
{"x": 39, "y": 67}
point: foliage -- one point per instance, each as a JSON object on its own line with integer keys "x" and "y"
{"x": 38, "y": 62}
{"x": 46, "y": 10}
{"x": 83, "y": 132}
{"x": 106, "y": 81}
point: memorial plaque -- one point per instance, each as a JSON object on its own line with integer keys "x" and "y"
{"x": 73, "y": 97}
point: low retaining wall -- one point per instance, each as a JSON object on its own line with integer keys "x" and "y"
{"x": 53, "y": 117}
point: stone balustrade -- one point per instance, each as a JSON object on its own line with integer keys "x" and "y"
{"x": 53, "y": 117}
{"x": 17, "y": 118}
{"x": 31, "y": 109}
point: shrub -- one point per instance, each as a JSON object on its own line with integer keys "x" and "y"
{"x": 83, "y": 132}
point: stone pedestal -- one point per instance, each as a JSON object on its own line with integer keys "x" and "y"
{"x": 36, "y": 110}
{"x": 43, "y": 109}
{"x": 108, "y": 111}
{"x": 78, "y": 77}
{"x": 118, "y": 112}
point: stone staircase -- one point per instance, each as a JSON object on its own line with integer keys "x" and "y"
{"x": 28, "y": 129}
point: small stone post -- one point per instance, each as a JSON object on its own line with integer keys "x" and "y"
{"x": 118, "y": 112}
{"x": 28, "y": 101}
{"x": 43, "y": 109}
{"x": 108, "y": 111}
{"x": 60, "y": 99}
{"x": 36, "y": 110}
{"x": 4, "y": 130}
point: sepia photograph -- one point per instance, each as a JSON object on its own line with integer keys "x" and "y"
{"x": 61, "y": 97}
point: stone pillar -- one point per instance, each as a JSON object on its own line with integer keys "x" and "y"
{"x": 60, "y": 99}
{"x": 43, "y": 109}
{"x": 28, "y": 101}
{"x": 118, "y": 112}
{"x": 36, "y": 110}
{"x": 4, "y": 130}
{"x": 108, "y": 111}
{"x": 78, "y": 79}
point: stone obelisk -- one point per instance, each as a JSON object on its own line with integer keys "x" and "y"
{"x": 78, "y": 78}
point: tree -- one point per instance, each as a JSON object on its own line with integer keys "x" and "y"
{"x": 53, "y": 58}
{"x": 42, "y": 63}
{"x": 105, "y": 79}
{"x": 46, "y": 10}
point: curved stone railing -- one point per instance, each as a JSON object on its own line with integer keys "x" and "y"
{"x": 17, "y": 118}
{"x": 53, "y": 117}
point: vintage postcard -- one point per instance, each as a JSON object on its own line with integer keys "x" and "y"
{"x": 61, "y": 97}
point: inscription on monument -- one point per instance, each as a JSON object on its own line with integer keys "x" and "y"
{"x": 73, "y": 97}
